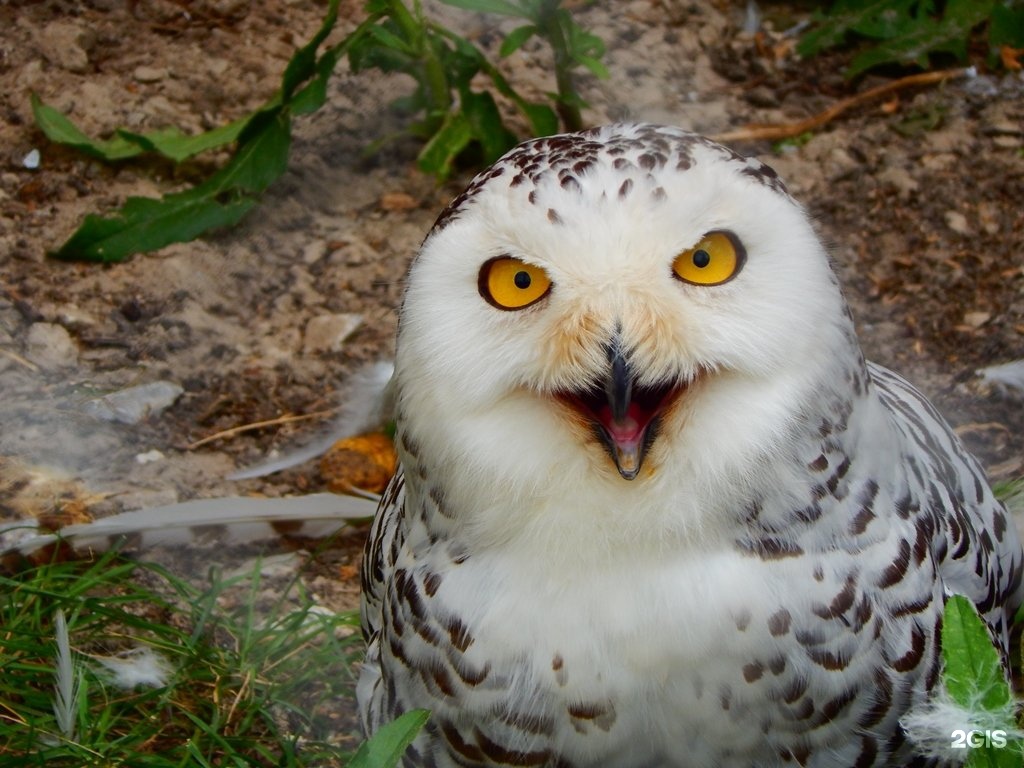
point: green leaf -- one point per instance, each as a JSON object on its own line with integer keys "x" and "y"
{"x": 388, "y": 744}
{"x": 314, "y": 94}
{"x": 177, "y": 146}
{"x": 972, "y": 672}
{"x": 144, "y": 224}
{"x": 490, "y": 6}
{"x": 451, "y": 138}
{"x": 594, "y": 66}
{"x": 543, "y": 119}
{"x": 302, "y": 65}
{"x": 843, "y": 18}
{"x": 1006, "y": 26}
{"x": 389, "y": 39}
{"x": 516, "y": 38}
{"x": 61, "y": 130}
{"x": 262, "y": 155}
{"x": 925, "y": 37}
{"x": 485, "y": 121}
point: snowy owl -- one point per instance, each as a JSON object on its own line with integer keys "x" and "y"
{"x": 654, "y": 508}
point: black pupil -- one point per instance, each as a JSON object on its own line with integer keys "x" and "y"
{"x": 522, "y": 280}
{"x": 701, "y": 258}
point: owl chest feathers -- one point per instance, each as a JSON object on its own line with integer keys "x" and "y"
{"x": 733, "y": 640}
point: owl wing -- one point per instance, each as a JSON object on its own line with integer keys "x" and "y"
{"x": 380, "y": 553}
{"x": 974, "y": 541}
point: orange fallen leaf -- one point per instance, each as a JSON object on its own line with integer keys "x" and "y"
{"x": 364, "y": 462}
{"x": 1010, "y": 57}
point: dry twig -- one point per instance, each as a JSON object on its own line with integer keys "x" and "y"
{"x": 242, "y": 428}
{"x": 757, "y": 132}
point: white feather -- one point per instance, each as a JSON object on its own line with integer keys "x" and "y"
{"x": 237, "y": 520}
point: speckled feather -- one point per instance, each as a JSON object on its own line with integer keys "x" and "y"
{"x": 767, "y": 592}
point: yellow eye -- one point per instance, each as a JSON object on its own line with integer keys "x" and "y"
{"x": 509, "y": 283}
{"x": 718, "y": 257}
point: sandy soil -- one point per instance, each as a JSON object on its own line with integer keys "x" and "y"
{"x": 919, "y": 197}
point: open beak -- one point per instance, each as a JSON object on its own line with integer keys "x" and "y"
{"x": 624, "y": 414}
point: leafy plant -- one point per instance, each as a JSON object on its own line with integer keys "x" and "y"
{"x": 457, "y": 118}
{"x": 264, "y": 141}
{"x": 240, "y": 687}
{"x": 910, "y": 32}
{"x": 572, "y": 45}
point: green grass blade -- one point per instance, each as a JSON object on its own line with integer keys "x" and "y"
{"x": 387, "y": 746}
{"x": 490, "y": 6}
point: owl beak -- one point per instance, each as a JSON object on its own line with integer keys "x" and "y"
{"x": 624, "y": 414}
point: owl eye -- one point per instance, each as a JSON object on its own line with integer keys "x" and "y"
{"x": 508, "y": 283}
{"x": 717, "y": 258}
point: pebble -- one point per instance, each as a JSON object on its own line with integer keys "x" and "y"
{"x": 132, "y": 405}
{"x": 957, "y": 222}
{"x": 50, "y": 346}
{"x": 144, "y": 74}
{"x": 313, "y": 252}
{"x": 398, "y": 201}
{"x": 976, "y": 319}
{"x": 149, "y": 457}
{"x": 66, "y": 44}
{"x": 327, "y": 333}
{"x": 904, "y": 183}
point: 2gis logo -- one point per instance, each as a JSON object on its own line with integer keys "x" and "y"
{"x": 977, "y": 739}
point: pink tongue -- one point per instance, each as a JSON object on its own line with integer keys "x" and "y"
{"x": 630, "y": 429}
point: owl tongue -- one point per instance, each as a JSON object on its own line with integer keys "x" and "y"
{"x": 630, "y": 428}
{"x": 626, "y": 436}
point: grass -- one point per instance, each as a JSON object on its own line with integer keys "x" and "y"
{"x": 252, "y": 686}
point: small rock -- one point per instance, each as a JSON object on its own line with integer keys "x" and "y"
{"x": 149, "y": 457}
{"x": 904, "y": 183}
{"x": 976, "y": 319}
{"x": 313, "y": 252}
{"x": 217, "y": 67}
{"x": 398, "y": 201}
{"x": 66, "y": 44}
{"x": 1006, "y": 142}
{"x": 327, "y": 333}
{"x": 988, "y": 217}
{"x": 50, "y": 346}
{"x": 144, "y": 74}
{"x": 132, "y": 405}
{"x": 957, "y": 222}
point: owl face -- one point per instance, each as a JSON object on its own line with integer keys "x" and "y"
{"x": 616, "y": 302}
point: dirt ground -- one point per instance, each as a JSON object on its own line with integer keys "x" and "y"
{"x": 919, "y": 197}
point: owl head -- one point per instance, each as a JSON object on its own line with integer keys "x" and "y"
{"x": 633, "y": 304}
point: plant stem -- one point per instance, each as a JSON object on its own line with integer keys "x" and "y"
{"x": 549, "y": 21}
{"x": 414, "y": 30}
